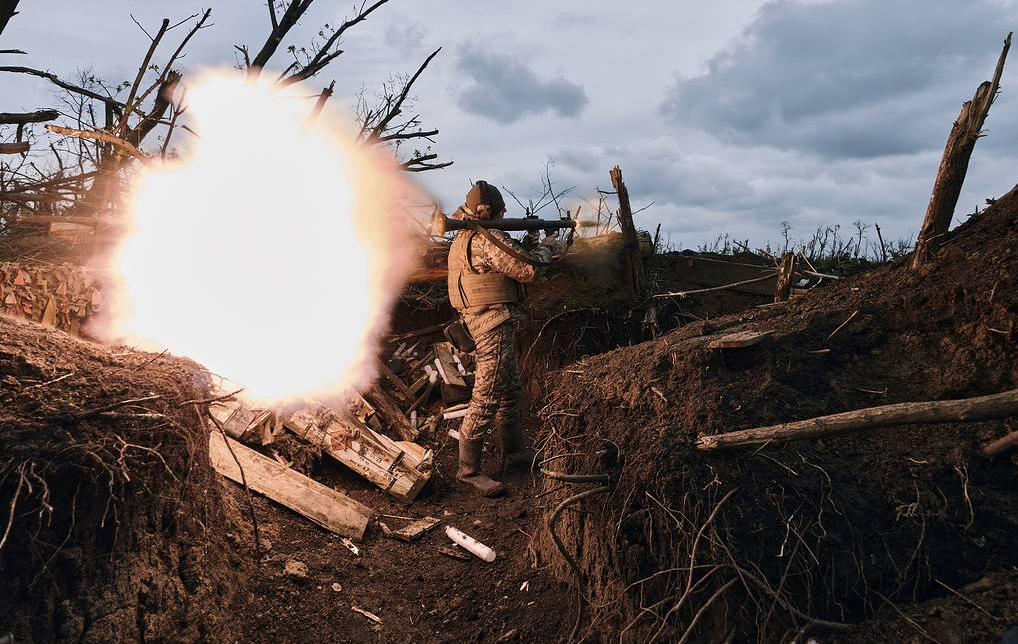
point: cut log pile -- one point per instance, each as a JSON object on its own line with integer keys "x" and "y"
{"x": 63, "y": 296}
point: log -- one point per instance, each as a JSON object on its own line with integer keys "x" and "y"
{"x": 965, "y": 410}
{"x": 22, "y": 118}
{"x": 15, "y": 148}
{"x": 954, "y": 164}
{"x": 328, "y": 508}
{"x": 399, "y": 468}
{"x": 634, "y": 258}
{"x": 786, "y": 271}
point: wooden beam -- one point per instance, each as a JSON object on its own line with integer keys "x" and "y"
{"x": 954, "y": 164}
{"x": 966, "y": 410}
{"x": 328, "y": 508}
{"x": 634, "y": 258}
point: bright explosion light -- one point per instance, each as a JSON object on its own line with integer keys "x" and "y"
{"x": 270, "y": 252}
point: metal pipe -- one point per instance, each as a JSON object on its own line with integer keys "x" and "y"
{"x": 441, "y": 224}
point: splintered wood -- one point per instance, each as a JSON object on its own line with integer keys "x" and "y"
{"x": 247, "y": 425}
{"x": 63, "y": 296}
{"x": 328, "y": 508}
{"x": 400, "y": 468}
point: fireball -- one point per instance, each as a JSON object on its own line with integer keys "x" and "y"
{"x": 270, "y": 251}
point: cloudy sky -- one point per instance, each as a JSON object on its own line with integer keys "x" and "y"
{"x": 731, "y": 116}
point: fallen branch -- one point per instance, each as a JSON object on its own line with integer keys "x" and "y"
{"x": 123, "y": 403}
{"x": 723, "y": 287}
{"x": 105, "y": 137}
{"x": 966, "y": 410}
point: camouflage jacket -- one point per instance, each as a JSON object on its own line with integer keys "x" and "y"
{"x": 488, "y": 258}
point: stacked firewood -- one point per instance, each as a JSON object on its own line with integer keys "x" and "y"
{"x": 63, "y": 296}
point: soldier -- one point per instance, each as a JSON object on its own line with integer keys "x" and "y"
{"x": 487, "y": 269}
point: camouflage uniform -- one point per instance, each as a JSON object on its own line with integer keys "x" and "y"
{"x": 496, "y": 395}
{"x": 485, "y": 285}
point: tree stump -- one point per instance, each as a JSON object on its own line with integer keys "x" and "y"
{"x": 786, "y": 271}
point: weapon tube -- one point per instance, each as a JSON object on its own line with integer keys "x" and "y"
{"x": 441, "y": 224}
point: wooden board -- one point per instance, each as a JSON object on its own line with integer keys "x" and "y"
{"x": 328, "y": 508}
{"x": 444, "y": 354}
{"x": 716, "y": 272}
{"x": 400, "y": 468}
{"x": 413, "y": 531}
{"x": 739, "y": 340}
{"x": 244, "y": 424}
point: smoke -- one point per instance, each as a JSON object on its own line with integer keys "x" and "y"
{"x": 271, "y": 251}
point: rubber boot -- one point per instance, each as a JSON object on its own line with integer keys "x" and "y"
{"x": 515, "y": 455}
{"x": 469, "y": 471}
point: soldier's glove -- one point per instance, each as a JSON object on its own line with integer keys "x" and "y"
{"x": 551, "y": 241}
{"x": 530, "y": 240}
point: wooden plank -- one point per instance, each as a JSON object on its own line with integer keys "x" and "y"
{"x": 715, "y": 272}
{"x": 328, "y": 508}
{"x": 739, "y": 340}
{"x": 400, "y": 468}
{"x": 413, "y": 531}
{"x": 444, "y": 354}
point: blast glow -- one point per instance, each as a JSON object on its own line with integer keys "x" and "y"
{"x": 269, "y": 253}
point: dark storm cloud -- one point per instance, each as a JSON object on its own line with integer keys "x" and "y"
{"x": 506, "y": 90}
{"x": 849, "y": 78}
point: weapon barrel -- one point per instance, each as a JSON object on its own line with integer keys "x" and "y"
{"x": 441, "y": 224}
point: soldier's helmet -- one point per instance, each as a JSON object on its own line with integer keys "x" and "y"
{"x": 485, "y": 200}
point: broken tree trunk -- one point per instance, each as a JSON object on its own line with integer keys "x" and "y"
{"x": 965, "y": 410}
{"x": 328, "y": 508}
{"x": 954, "y": 164}
{"x": 786, "y": 271}
{"x": 634, "y": 259}
{"x": 400, "y": 468}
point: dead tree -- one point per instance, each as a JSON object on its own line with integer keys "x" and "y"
{"x": 954, "y": 164}
{"x": 8, "y": 9}
{"x": 634, "y": 259}
{"x": 382, "y": 121}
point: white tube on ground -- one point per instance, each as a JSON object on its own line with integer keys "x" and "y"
{"x": 471, "y": 544}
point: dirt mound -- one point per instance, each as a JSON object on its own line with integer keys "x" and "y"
{"x": 109, "y": 529}
{"x": 763, "y": 544}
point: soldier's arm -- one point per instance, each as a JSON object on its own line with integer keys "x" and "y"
{"x": 500, "y": 261}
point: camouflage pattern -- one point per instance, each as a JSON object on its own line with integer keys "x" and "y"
{"x": 496, "y": 395}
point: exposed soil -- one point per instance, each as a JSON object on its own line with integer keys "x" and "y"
{"x": 835, "y": 530}
{"x": 111, "y": 520}
{"x": 127, "y": 535}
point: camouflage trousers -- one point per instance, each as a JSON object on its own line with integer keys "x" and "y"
{"x": 495, "y": 401}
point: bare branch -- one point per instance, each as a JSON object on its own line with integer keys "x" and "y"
{"x": 394, "y": 110}
{"x": 105, "y": 137}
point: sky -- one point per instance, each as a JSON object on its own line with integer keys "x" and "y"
{"x": 731, "y": 116}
